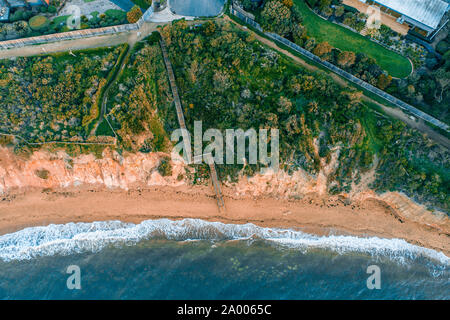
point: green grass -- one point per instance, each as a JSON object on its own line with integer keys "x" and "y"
{"x": 38, "y": 22}
{"x": 115, "y": 14}
{"x": 104, "y": 129}
{"x": 347, "y": 40}
{"x": 321, "y": 68}
{"x": 141, "y": 3}
{"x": 60, "y": 19}
{"x": 369, "y": 122}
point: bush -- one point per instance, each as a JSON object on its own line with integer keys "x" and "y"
{"x": 134, "y": 14}
{"x": 165, "y": 168}
{"x": 20, "y": 15}
{"x": 38, "y": 23}
{"x": 116, "y": 16}
{"x": 312, "y": 3}
{"x": 52, "y": 9}
{"x": 443, "y": 47}
{"x": 42, "y": 173}
{"x": 339, "y": 11}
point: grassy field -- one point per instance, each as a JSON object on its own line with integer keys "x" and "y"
{"x": 347, "y": 40}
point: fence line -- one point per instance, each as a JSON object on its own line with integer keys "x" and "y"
{"x": 59, "y": 142}
{"x": 397, "y": 102}
{"x": 76, "y": 34}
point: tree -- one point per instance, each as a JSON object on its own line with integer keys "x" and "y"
{"x": 339, "y": 11}
{"x": 165, "y": 168}
{"x": 210, "y": 28}
{"x": 443, "y": 78}
{"x": 134, "y": 14}
{"x": 324, "y": 4}
{"x": 327, "y": 11}
{"x": 288, "y": 3}
{"x": 21, "y": 27}
{"x": 276, "y": 17}
{"x": 346, "y": 59}
{"x": 322, "y": 49}
{"x": 384, "y": 81}
{"x": 298, "y": 33}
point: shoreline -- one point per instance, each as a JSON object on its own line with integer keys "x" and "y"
{"x": 313, "y": 214}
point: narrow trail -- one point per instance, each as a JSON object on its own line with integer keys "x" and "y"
{"x": 182, "y": 123}
{"x": 118, "y": 71}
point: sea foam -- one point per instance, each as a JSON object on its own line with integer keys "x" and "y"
{"x": 71, "y": 238}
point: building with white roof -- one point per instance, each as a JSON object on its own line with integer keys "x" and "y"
{"x": 425, "y": 15}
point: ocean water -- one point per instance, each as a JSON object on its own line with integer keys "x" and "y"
{"x": 195, "y": 259}
{"x": 197, "y": 8}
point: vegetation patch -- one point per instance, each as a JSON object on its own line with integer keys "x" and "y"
{"x": 144, "y": 4}
{"x": 140, "y": 102}
{"x": 228, "y": 80}
{"x": 165, "y": 168}
{"x": 38, "y": 23}
{"x": 54, "y": 97}
{"x": 42, "y": 173}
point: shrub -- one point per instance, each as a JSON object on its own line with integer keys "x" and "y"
{"x": 16, "y": 16}
{"x": 134, "y": 14}
{"x": 165, "y": 168}
{"x": 442, "y": 47}
{"x": 21, "y": 27}
{"x": 384, "y": 81}
{"x": 288, "y": 3}
{"x": 322, "y": 49}
{"x": 42, "y": 173}
{"x": 346, "y": 59}
{"x": 339, "y": 11}
{"x": 52, "y": 9}
{"x": 38, "y": 23}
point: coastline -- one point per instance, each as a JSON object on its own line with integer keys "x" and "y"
{"x": 312, "y": 214}
{"x": 130, "y": 188}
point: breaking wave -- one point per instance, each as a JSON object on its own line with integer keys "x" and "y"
{"x": 73, "y": 238}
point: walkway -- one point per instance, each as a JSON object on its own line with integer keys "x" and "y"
{"x": 187, "y": 146}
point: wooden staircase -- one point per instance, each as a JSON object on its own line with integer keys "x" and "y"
{"x": 208, "y": 157}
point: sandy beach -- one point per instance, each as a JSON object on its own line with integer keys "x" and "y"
{"x": 312, "y": 214}
{"x": 129, "y": 188}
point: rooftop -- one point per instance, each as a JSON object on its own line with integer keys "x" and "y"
{"x": 427, "y": 12}
{"x": 16, "y": 3}
{"x": 4, "y": 10}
